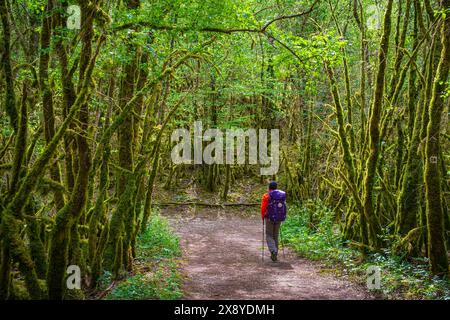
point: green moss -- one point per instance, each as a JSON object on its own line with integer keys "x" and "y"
{"x": 374, "y": 133}
{"x": 58, "y": 254}
{"x": 19, "y": 291}
{"x": 19, "y": 252}
{"x": 437, "y": 250}
{"x": 37, "y": 249}
{"x": 119, "y": 231}
{"x": 96, "y": 264}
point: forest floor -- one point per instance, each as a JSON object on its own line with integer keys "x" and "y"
{"x": 199, "y": 247}
{"x": 222, "y": 259}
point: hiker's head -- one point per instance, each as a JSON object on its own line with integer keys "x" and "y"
{"x": 273, "y": 185}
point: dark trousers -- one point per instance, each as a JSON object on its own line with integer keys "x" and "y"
{"x": 272, "y": 233}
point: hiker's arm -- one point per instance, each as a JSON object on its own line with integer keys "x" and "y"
{"x": 264, "y": 204}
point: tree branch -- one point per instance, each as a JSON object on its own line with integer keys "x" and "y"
{"x": 213, "y": 29}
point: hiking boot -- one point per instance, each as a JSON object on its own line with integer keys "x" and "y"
{"x": 273, "y": 256}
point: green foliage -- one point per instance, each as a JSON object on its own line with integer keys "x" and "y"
{"x": 268, "y": 77}
{"x": 158, "y": 241}
{"x": 447, "y": 90}
{"x": 158, "y": 275}
{"x": 311, "y": 232}
{"x": 105, "y": 279}
{"x": 163, "y": 284}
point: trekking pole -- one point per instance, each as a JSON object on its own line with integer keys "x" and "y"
{"x": 262, "y": 257}
{"x": 282, "y": 243}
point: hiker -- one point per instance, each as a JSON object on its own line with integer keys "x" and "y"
{"x": 273, "y": 213}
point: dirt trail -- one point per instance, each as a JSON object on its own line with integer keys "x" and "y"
{"x": 222, "y": 260}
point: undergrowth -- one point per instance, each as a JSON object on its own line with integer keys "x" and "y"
{"x": 157, "y": 266}
{"x": 310, "y": 230}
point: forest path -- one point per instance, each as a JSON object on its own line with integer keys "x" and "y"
{"x": 222, "y": 260}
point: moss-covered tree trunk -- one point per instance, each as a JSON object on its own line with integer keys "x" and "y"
{"x": 11, "y": 215}
{"x": 432, "y": 174}
{"x": 122, "y": 225}
{"x": 347, "y": 154}
{"x": 68, "y": 90}
{"x": 46, "y": 92}
{"x": 98, "y": 223}
{"x": 62, "y": 234}
{"x": 410, "y": 186}
{"x": 10, "y": 96}
{"x": 374, "y": 132}
{"x": 19, "y": 154}
{"x": 358, "y": 14}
